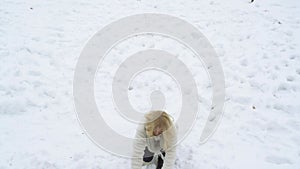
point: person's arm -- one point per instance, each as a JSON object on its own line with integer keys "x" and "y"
{"x": 169, "y": 160}
{"x": 139, "y": 145}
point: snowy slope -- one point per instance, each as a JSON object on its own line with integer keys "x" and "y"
{"x": 258, "y": 45}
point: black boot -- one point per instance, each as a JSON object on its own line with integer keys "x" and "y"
{"x": 160, "y": 161}
{"x": 148, "y": 155}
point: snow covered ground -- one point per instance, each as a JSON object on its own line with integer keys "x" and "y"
{"x": 258, "y": 46}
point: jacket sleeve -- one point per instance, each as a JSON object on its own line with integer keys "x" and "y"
{"x": 139, "y": 145}
{"x": 169, "y": 160}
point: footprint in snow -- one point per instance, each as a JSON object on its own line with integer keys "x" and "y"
{"x": 277, "y": 160}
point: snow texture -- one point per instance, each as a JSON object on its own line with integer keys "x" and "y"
{"x": 257, "y": 44}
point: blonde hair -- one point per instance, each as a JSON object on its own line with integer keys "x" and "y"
{"x": 163, "y": 120}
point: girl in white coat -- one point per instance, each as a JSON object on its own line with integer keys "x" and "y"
{"x": 157, "y": 137}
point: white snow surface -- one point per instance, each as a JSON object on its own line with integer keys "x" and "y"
{"x": 257, "y": 44}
